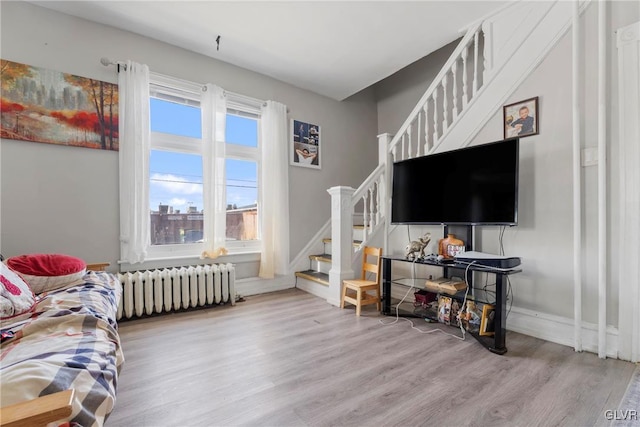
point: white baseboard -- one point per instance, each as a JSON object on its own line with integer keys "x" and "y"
{"x": 256, "y": 285}
{"x": 313, "y": 288}
{"x": 560, "y": 330}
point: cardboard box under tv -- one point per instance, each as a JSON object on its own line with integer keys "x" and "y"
{"x": 444, "y": 285}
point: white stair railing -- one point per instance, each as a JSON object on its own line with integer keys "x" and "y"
{"x": 445, "y": 100}
{"x": 442, "y": 104}
{"x": 369, "y": 197}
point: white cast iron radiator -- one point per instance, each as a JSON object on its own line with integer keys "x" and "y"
{"x": 168, "y": 289}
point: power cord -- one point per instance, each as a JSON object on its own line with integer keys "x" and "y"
{"x": 509, "y": 289}
{"x": 413, "y": 326}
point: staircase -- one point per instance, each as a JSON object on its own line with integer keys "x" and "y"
{"x": 491, "y": 61}
{"x": 320, "y": 264}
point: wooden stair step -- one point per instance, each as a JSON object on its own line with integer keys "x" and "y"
{"x": 314, "y": 276}
{"x": 356, "y": 243}
{"x": 321, "y": 257}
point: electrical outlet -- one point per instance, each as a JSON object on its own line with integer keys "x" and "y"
{"x": 589, "y": 156}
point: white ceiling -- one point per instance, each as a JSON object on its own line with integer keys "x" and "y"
{"x": 334, "y": 48}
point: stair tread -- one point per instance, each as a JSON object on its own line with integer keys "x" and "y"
{"x": 315, "y": 276}
{"x": 320, "y": 257}
{"x": 355, "y": 242}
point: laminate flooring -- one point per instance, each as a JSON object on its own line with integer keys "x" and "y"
{"x": 290, "y": 359}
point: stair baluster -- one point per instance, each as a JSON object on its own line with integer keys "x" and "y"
{"x": 426, "y": 128}
{"x": 418, "y": 135}
{"x": 475, "y": 62}
{"x": 378, "y": 184}
{"x": 435, "y": 115}
{"x": 454, "y": 88}
{"x": 445, "y": 103}
{"x": 465, "y": 93}
{"x": 372, "y": 221}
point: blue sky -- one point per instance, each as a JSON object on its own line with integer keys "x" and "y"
{"x": 176, "y": 178}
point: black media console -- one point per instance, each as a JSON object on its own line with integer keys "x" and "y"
{"x": 495, "y": 343}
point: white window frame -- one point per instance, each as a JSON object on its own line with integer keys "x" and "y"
{"x": 252, "y": 108}
{"x": 169, "y": 88}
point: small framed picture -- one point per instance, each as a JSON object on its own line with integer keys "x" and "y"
{"x": 305, "y": 144}
{"x": 487, "y": 327}
{"x": 471, "y": 315}
{"x": 521, "y": 118}
{"x": 444, "y": 309}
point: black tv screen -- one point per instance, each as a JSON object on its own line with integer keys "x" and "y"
{"x": 472, "y": 186}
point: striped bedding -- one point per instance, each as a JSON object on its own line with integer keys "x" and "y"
{"x": 69, "y": 341}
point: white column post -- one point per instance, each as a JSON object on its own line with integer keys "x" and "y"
{"x": 628, "y": 44}
{"x": 384, "y": 157}
{"x": 341, "y": 240}
{"x": 602, "y": 180}
{"x": 577, "y": 182}
{"x": 383, "y": 147}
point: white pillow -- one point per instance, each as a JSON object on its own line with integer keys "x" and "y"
{"x": 15, "y": 295}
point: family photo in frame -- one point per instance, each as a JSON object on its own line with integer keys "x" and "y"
{"x": 305, "y": 144}
{"x": 521, "y": 118}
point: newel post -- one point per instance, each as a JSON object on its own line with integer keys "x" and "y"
{"x": 384, "y": 158}
{"x": 341, "y": 240}
{"x": 384, "y": 139}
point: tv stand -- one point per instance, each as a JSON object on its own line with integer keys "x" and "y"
{"x": 495, "y": 343}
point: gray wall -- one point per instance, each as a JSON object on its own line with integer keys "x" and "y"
{"x": 65, "y": 199}
{"x": 399, "y": 93}
{"x": 544, "y": 236}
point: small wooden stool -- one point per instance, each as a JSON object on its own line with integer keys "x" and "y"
{"x": 362, "y": 286}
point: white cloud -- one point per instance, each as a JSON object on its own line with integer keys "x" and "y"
{"x": 178, "y": 203}
{"x": 175, "y": 184}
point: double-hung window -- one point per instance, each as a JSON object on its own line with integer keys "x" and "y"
{"x": 176, "y": 184}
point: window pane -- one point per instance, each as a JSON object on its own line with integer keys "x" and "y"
{"x": 242, "y": 200}
{"x": 241, "y": 131}
{"x": 175, "y": 197}
{"x": 174, "y": 118}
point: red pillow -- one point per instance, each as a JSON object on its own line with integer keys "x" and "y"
{"x": 46, "y": 272}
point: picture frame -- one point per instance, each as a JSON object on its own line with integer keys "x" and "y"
{"x": 444, "y": 309}
{"x": 305, "y": 144}
{"x": 487, "y": 327}
{"x": 471, "y": 315}
{"x": 52, "y": 107}
{"x": 521, "y": 118}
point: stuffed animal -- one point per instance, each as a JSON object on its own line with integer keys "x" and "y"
{"x": 214, "y": 253}
{"x": 415, "y": 249}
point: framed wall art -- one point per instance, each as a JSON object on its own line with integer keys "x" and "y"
{"x": 521, "y": 118}
{"x": 305, "y": 144}
{"x": 42, "y": 105}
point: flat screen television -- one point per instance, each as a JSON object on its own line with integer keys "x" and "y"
{"x": 475, "y": 185}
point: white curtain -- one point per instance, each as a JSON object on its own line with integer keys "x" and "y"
{"x": 274, "y": 257}
{"x": 214, "y": 114}
{"x": 133, "y": 84}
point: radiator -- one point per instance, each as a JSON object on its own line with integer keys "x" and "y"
{"x": 170, "y": 289}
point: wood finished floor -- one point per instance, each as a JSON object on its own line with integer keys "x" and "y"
{"x": 290, "y": 359}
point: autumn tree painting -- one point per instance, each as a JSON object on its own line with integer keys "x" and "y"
{"x": 57, "y": 108}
